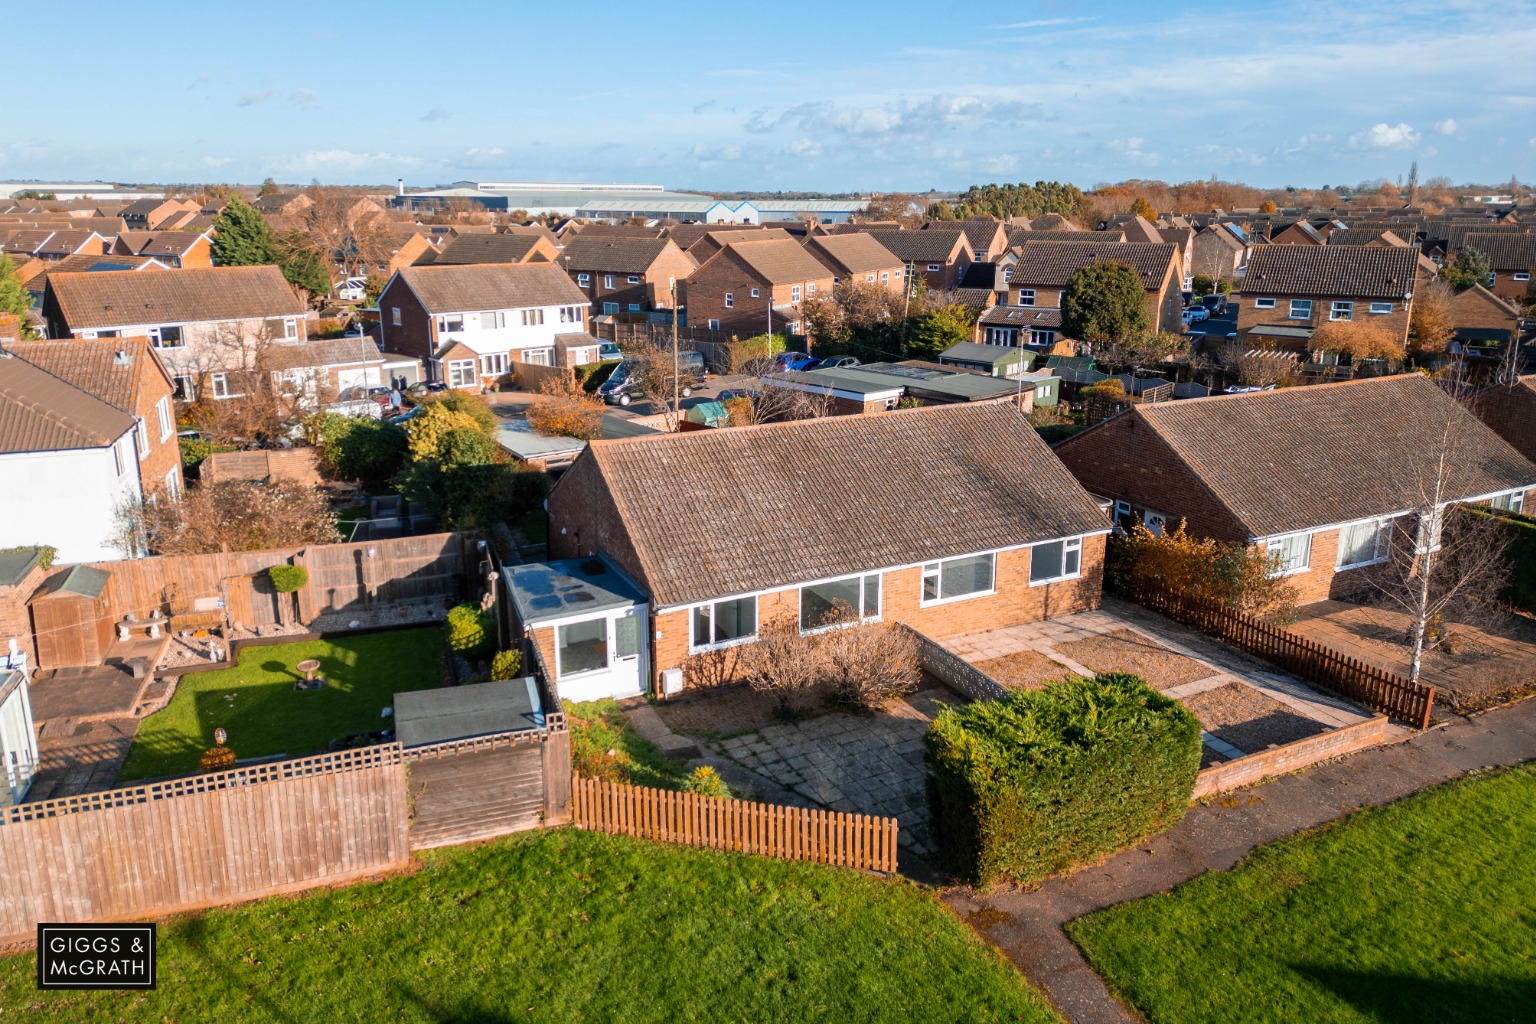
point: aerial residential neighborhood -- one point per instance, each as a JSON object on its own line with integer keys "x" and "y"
{"x": 739, "y": 534}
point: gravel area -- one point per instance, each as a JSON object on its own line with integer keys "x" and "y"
{"x": 1126, "y": 650}
{"x": 1024, "y": 670}
{"x": 186, "y": 649}
{"x": 1249, "y": 719}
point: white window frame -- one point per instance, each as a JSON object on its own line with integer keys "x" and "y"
{"x": 533, "y": 317}
{"x": 633, "y": 279}
{"x": 1275, "y": 544}
{"x": 1378, "y": 308}
{"x": 1026, "y": 296}
{"x": 141, "y": 438}
{"x": 583, "y": 279}
{"x": 608, "y": 652}
{"x": 810, "y": 288}
{"x": 869, "y": 278}
{"x": 156, "y": 340}
{"x": 794, "y": 293}
{"x": 1512, "y": 501}
{"x": 863, "y": 579}
{"x": 1297, "y": 312}
{"x": 730, "y": 300}
{"x": 443, "y": 321}
{"x": 935, "y": 570}
{"x": 714, "y": 325}
{"x": 118, "y": 462}
{"x": 394, "y": 315}
{"x": 493, "y": 319}
{"x": 290, "y": 328}
{"x": 934, "y": 268}
{"x": 493, "y": 364}
{"x": 1432, "y": 523}
{"x": 755, "y": 293}
{"x": 218, "y": 385}
{"x": 570, "y": 314}
{"x": 1341, "y": 310}
{"x": 1070, "y": 545}
{"x": 1520, "y": 275}
{"x": 709, "y": 608}
{"x": 173, "y": 484}
{"x": 539, "y": 356}
{"x": 163, "y": 415}
{"x": 608, "y": 281}
{"x": 456, "y": 368}
{"x": 1265, "y": 303}
{"x": 1381, "y": 550}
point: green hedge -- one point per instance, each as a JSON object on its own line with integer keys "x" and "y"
{"x": 594, "y": 375}
{"x": 1521, "y": 591}
{"x": 1023, "y": 788}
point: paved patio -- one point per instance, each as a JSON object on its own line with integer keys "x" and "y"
{"x": 1488, "y": 663}
{"x": 1131, "y": 636}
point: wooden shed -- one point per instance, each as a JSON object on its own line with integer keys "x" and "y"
{"x": 71, "y": 618}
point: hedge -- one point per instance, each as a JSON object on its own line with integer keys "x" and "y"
{"x": 469, "y": 630}
{"x": 1521, "y": 591}
{"x": 1023, "y": 788}
{"x": 595, "y": 375}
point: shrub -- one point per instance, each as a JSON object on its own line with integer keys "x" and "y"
{"x": 705, "y": 781}
{"x": 358, "y": 448}
{"x": 216, "y": 759}
{"x": 868, "y": 664}
{"x": 594, "y": 375}
{"x": 753, "y": 353}
{"x": 782, "y": 663}
{"x": 1234, "y": 575}
{"x": 469, "y": 629}
{"x": 506, "y": 664}
{"x": 1521, "y": 589}
{"x": 565, "y": 409}
{"x": 47, "y": 553}
{"x": 1023, "y": 788}
{"x": 286, "y": 579}
{"x": 195, "y": 449}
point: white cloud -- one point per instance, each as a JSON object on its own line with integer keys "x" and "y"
{"x": 1135, "y": 150}
{"x": 1047, "y": 23}
{"x": 217, "y": 161}
{"x": 435, "y": 114}
{"x": 1446, "y": 127}
{"x": 873, "y": 125}
{"x": 805, "y": 148}
{"x": 252, "y": 98}
{"x": 345, "y": 160}
{"x": 1385, "y": 136}
{"x": 480, "y": 156}
{"x": 708, "y": 156}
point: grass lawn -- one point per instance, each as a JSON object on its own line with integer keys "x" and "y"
{"x": 567, "y": 926}
{"x": 535, "y": 527}
{"x": 268, "y": 716}
{"x": 598, "y": 726}
{"x": 1423, "y": 910}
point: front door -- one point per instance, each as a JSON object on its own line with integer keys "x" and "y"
{"x": 629, "y": 652}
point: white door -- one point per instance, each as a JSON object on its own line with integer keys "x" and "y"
{"x": 602, "y": 657}
{"x": 629, "y": 653}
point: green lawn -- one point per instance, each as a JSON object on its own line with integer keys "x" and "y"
{"x": 568, "y": 926}
{"x": 1423, "y": 910}
{"x": 599, "y": 726}
{"x": 266, "y": 715}
{"x": 536, "y": 527}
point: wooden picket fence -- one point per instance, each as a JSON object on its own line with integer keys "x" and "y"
{"x": 744, "y": 826}
{"x": 1311, "y": 661}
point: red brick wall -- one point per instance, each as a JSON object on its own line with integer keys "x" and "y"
{"x": 1248, "y": 316}
{"x": 1510, "y": 412}
{"x": 416, "y": 336}
{"x": 1288, "y": 758}
{"x": 584, "y": 521}
{"x": 16, "y": 618}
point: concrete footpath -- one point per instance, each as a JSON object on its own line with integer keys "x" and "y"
{"x": 1027, "y": 926}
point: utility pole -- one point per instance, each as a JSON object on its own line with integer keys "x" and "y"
{"x": 676, "y": 401}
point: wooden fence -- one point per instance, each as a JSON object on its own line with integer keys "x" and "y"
{"x": 202, "y": 841}
{"x": 768, "y": 830}
{"x": 1319, "y": 665}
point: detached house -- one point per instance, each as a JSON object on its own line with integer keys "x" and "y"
{"x": 858, "y": 259}
{"x": 626, "y": 275}
{"x": 1322, "y": 478}
{"x": 939, "y": 256}
{"x": 752, "y": 288}
{"x": 214, "y": 327}
{"x": 1304, "y": 286}
{"x": 939, "y": 518}
{"x": 471, "y": 324}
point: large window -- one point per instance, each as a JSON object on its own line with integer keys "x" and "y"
{"x": 1056, "y": 560}
{"x": 165, "y": 337}
{"x": 1301, "y": 309}
{"x": 608, "y": 281}
{"x": 450, "y": 323}
{"x": 494, "y": 365}
{"x": 163, "y": 415}
{"x": 570, "y": 314}
{"x": 538, "y": 356}
{"x": 1364, "y": 543}
{"x": 724, "y": 622}
{"x": 840, "y": 600}
{"x": 533, "y": 317}
{"x": 954, "y": 578}
{"x": 493, "y": 319}
{"x": 583, "y": 647}
{"x": 1514, "y": 501}
{"x": 1290, "y": 554}
{"x": 461, "y": 373}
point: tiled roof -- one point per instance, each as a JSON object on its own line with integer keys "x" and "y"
{"x": 1505, "y": 250}
{"x": 714, "y": 240}
{"x": 854, "y": 254}
{"x": 94, "y": 367}
{"x": 1359, "y": 271}
{"x": 718, "y": 512}
{"x": 123, "y": 297}
{"x": 613, "y": 253}
{"x": 932, "y": 246}
{"x": 973, "y": 299}
{"x": 324, "y": 352}
{"x": 782, "y": 261}
{"x": 467, "y": 249}
{"x": 1039, "y": 317}
{"x": 67, "y": 243}
{"x": 169, "y": 243}
{"x": 491, "y": 286}
{"x": 40, "y": 412}
{"x": 1052, "y": 264}
{"x": 1018, "y": 236}
{"x": 1304, "y": 457}
{"x": 1365, "y": 236}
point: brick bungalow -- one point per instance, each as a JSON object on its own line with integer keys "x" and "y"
{"x": 1320, "y": 477}
{"x": 950, "y": 519}
{"x": 747, "y": 285}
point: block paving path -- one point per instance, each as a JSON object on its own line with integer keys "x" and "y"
{"x": 1027, "y": 926}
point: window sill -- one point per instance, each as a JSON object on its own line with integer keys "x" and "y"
{"x": 584, "y": 672}
{"x": 1055, "y": 579}
{"x": 960, "y": 597}
{"x": 723, "y": 645}
{"x": 1359, "y": 565}
{"x": 1288, "y": 572}
{"x": 838, "y": 625}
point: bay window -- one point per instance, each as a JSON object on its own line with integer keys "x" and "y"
{"x": 846, "y": 599}
{"x": 724, "y": 622}
{"x": 955, "y": 578}
{"x": 1056, "y": 560}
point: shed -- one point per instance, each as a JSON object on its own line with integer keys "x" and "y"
{"x": 706, "y": 414}
{"x": 993, "y": 360}
{"x": 546, "y": 453}
{"x": 458, "y": 712}
{"x": 72, "y": 619}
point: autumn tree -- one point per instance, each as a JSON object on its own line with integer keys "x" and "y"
{"x": 565, "y": 409}
{"x": 897, "y": 206}
{"x": 235, "y": 516}
{"x": 1360, "y": 339}
{"x": 1432, "y": 323}
{"x": 1143, "y": 209}
{"x": 1237, "y": 576}
{"x": 268, "y": 188}
{"x": 1104, "y": 301}
{"x": 241, "y": 237}
{"x": 858, "y": 319}
{"x": 1268, "y": 206}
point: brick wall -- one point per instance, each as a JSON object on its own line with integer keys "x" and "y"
{"x": 415, "y": 335}
{"x": 1288, "y": 758}
{"x": 1249, "y": 316}
{"x": 16, "y": 618}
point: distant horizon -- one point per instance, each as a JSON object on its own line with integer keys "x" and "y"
{"x": 1269, "y": 93}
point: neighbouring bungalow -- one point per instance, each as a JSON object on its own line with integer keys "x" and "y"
{"x": 1318, "y": 477}
{"x": 1510, "y": 411}
{"x": 939, "y": 518}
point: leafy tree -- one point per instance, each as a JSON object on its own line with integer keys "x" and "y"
{"x": 14, "y": 299}
{"x": 358, "y": 448}
{"x": 1104, "y": 302}
{"x": 939, "y": 211}
{"x": 1203, "y": 284}
{"x": 565, "y": 409}
{"x": 1465, "y": 269}
{"x": 242, "y": 237}
{"x": 303, "y": 264}
{"x": 268, "y": 188}
{"x": 1360, "y": 339}
{"x": 436, "y": 434}
{"x": 938, "y": 329}
{"x": 1268, "y": 206}
{"x": 1021, "y": 200}
{"x": 1142, "y": 208}
{"x": 1432, "y": 324}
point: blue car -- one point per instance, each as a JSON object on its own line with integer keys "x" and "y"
{"x": 793, "y": 361}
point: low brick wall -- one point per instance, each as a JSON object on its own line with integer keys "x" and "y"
{"x": 953, "y": 670}
{"x": 1280, "y": 760}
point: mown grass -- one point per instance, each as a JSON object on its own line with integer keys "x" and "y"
{"x": 1423, "y": 910}
{"x": 254, "y": 700}
{"x": 568, "y": 926}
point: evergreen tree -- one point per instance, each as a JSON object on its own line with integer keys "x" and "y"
{"x": 303, "y": 264}
{"x": 1105, "y": 302}
{"x": 241, "y": 237}
{"x": 1468, "y": 268}
{"x": 14, "y": 298}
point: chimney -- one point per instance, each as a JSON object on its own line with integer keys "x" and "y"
{"x": 399, "y": 186}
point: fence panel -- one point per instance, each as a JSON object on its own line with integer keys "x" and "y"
{"x": 1374, "y": 687}
{"x": 741, "y": 826}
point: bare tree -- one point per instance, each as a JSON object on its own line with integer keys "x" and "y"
{"x": 782, "y": 663}
{"x": 866, "y": 664}
{"x": 235, "y": 516}
{"x": 248, "y": 384}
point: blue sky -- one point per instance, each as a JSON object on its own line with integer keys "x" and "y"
{"x": 797, "y": 95}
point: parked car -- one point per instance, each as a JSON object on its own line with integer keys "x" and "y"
{"x": 835, "y": 363}
{"x": 792, "y": 361}
{"x": 622, "y": 387}
{"x": 422, "y": 388}
{"x": 1215, "y": 305}
{"x": 607, "y": 351}
{"x": 1196, "y": 314}
{"x": 730, "y": 394}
